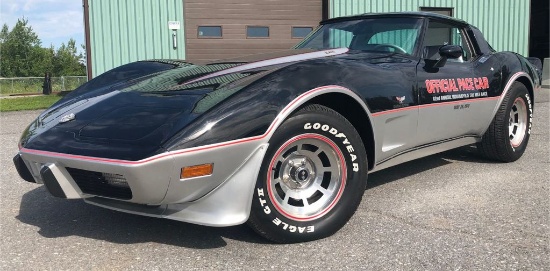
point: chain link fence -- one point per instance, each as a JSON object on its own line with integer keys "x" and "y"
{"x": 33, "y": 85}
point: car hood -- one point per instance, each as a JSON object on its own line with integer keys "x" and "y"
{"x": 131, "y": 119}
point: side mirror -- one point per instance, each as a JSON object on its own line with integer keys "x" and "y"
{"x": 450, "y": 51}
{"x": 445, "y": 52}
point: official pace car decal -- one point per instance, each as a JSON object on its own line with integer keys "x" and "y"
{"x": 443, "y": 89}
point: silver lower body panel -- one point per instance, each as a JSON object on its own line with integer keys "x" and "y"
{"x": 220, "y": 199}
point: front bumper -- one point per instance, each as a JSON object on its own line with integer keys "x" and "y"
{"x": 220, "y": 199}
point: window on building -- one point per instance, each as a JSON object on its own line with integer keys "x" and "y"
{"x": 301, "y": 31}
{"x": 257, "y": 32}
{"x": 442, "y": 11}
{"x": 210, "y": 31}
{"x": 439, "y": 34}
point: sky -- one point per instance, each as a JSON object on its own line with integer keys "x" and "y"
{"x": 54, "y": 21}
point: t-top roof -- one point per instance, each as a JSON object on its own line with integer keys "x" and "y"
{"x": 418, "y": 14}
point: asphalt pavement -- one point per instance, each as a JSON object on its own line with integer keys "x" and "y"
{"x": 451, "y": 211}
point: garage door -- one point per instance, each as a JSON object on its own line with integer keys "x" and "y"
{"x": 230, "y": 28}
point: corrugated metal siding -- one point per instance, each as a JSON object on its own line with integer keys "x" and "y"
{"x": 123, "y": 31}
{"x": 505, "y": 23}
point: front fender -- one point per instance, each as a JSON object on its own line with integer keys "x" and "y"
{"x": 257, "y": 109}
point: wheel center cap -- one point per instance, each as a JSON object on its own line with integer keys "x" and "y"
{"x": 298, "y": 172}
{"x": 301, "y": 174}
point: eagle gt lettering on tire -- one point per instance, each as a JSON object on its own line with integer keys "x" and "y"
{"x": 312, "y": 178}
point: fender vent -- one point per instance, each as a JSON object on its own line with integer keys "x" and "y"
{"x": 101, "y": 184}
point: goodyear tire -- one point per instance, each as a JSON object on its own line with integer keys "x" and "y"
{"x": 508, "y": 134}
{"x": 312, "y": 178}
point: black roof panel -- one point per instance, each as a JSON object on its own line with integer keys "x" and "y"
{"x": 396, "y": 14}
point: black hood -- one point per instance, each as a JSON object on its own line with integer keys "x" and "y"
{"x": 130, "y": 118}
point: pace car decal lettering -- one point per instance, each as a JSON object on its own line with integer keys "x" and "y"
{"x": 456, "y": 84}
{"x": 279, "y": 222}
{"x": 461, "y": 106}
{"x": 444, "y": 86}
{"x": 334, "y": 132}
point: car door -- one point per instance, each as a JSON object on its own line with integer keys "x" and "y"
{"x": 390, "y": 47}
{"x": 446, "y": 93}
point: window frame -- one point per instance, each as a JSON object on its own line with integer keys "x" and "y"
{"x": 264, "y": 26}
{"x": 209, "y": 37}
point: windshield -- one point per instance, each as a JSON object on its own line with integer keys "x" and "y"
{"x": 394, "y": 35}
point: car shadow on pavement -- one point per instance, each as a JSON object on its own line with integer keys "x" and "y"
{"x": 60, "y": 218}
{"x": 462, "y": 154}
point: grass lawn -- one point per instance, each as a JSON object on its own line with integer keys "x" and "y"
{"x": 28, "y": 103}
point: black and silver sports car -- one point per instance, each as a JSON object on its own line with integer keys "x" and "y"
{"x": 283, "y": 141}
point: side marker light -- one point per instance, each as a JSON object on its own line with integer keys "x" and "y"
{"x": 196, "y": 171}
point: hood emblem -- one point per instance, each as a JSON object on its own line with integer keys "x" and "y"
{"x": 67, "y": 118}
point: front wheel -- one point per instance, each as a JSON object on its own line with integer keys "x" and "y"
{"x": 312, "y": 178}
{"x": 508, "y": 134}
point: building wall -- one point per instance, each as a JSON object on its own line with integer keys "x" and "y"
{"x": 123, "y": 31}
{"x": 504, "y": 23}
{"x": 235, "y": 15}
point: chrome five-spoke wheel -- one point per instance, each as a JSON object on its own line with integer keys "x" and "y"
{"x": 312, "y": 178}
{"x": 517, "y": 122}
{"x": 306, "y": 177}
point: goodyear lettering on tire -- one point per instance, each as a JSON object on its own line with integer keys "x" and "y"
{"x": 528, "y": 98}
{"x": 340, "y": 136}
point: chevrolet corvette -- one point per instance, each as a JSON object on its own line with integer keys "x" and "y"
{"x": 282, "y": 141}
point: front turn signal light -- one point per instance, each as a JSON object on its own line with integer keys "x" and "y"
{"x": 196, "y": 171}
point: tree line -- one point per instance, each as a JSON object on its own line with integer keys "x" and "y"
{"x": 22, "y": 54}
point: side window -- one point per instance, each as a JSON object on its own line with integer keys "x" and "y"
{"x": 400, "y": 40}
{"x": 339, "y": 38}
{"x": 439, "y": 34}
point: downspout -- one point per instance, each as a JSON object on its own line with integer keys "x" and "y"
{"x": 87, "y": 38}
{"x": 325, "y": 12}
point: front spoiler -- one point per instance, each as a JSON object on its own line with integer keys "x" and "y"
{"x": 220, "y": 199}
{"x": 227, "y": 205}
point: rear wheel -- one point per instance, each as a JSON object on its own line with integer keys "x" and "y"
{"x": 312, "y": 178}
{"x": 508, "y": 134}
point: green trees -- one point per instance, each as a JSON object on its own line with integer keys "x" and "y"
{"x": 22, "y": 54}
{"x": 67, "y": 61}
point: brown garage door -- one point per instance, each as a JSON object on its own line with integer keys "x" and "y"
{"x": 223, "y": 29}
